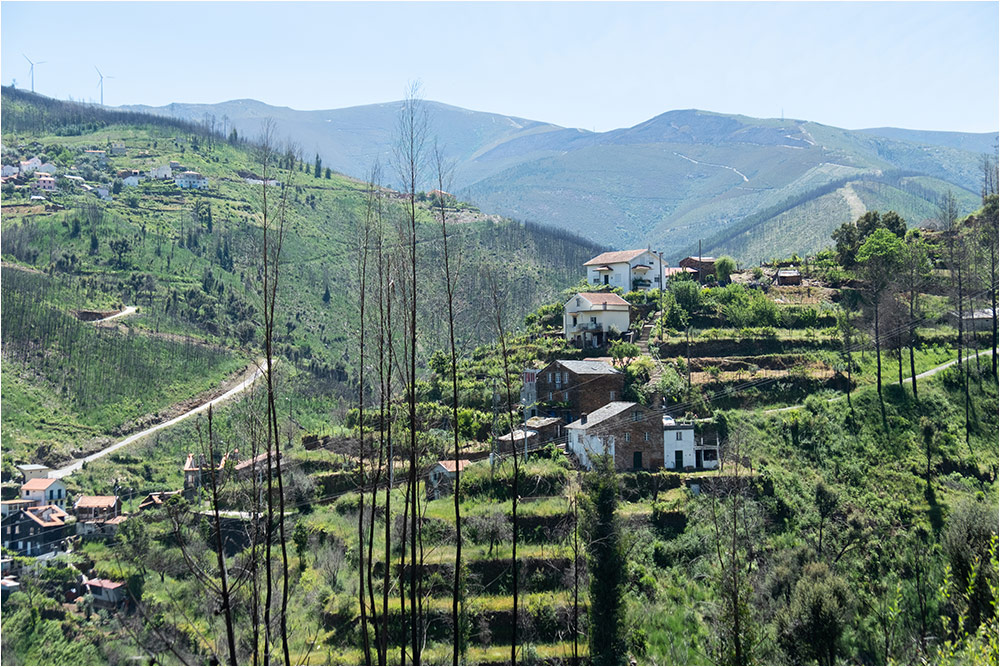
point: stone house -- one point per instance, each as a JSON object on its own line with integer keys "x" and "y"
{"x": 566, "y": 388}
{"x": 97, "y": 508}
{"x": 701, "y": 266}
{"x": 630, "y": 433}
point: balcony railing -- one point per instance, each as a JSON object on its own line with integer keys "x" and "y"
{"x": 589, "y": 326}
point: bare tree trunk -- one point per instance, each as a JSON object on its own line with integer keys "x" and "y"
{"x": 498, "y": 316}
{"x": 362, "y": 268}
{"x": 221, "y": 555}
{"x": 450, "y": 291}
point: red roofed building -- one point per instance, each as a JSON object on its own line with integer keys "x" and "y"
{"x": 107, "y": 594}
{"x": 441, "y": 478}
{"x": 97, "y": 508}
{"x": 44, "y": 490}
{"x": 590, "y": 317}
{"x": 640, "y": 269}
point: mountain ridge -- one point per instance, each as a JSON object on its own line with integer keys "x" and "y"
{"x": 669, "y": 181}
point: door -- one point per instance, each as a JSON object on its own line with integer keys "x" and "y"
{"x": 697, "y": 458}
{"x": 637, "y": 460}
{"x": 678, "y": 459}
{"x": 605, "y": 279}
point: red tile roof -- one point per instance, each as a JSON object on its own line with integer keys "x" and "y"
{"x": 598, "y": 298}
{"x": 96, "y": 502}
{"x": 615, "y": 257}
{"x": 39, "y": 484}
{"x": 449, "y": 464}
{"x": 105, "y": 583}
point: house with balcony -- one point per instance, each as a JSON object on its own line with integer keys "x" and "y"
{"x": 590, "y": 317}
{"x": 640, "y": 269}
{"x": 36, "y": 531}
{"x": 45, "y": 491}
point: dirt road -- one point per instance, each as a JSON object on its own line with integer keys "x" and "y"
{"x": 245, "y": 383}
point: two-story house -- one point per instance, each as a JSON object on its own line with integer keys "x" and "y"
{"x": 640, "y": 269}
{"x": 567, "y": 388}
{"x": 97, "y": 508}
{"x": 630, "y": 433}
{"x": 589, "y": 318}
{"x": 191, "y": 179}
{"x": 45, "y": 491}
{"x": 683, "y": 449}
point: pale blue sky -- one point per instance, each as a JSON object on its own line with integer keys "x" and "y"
{"x": 922, "y": 65}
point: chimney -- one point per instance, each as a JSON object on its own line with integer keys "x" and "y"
{"x": 583, "y": 418}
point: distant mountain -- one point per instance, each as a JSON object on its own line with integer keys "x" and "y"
{"x": 754, "y": 188}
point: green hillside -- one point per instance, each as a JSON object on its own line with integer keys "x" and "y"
{"x": 188, "y": 259}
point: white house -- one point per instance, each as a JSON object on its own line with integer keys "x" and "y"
{"x": 640, "y": 269}
{"x": 588, "y": 317}
{"x": 131, "y": 181}
{"x": 161, "y": 173}
{"x": 45, "y": 491}
{"x": 191, "y": 179}
{"x": 681, "y": 449}
{"x": 441, "y": 477}
{"x": 47, "y": 168}
{"x": 29, "y": 166}
{"x": 10, "y": 170}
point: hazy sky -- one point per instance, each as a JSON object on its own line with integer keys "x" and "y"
{"x": 921, "y": 65}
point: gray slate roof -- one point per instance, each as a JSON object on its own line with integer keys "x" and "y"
{"x": 602, "y": 413}
{"x": 587, "y": 367}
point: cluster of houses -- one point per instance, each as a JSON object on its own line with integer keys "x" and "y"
{"x": 44, "y": 174}
{"x": 580, "y": 403}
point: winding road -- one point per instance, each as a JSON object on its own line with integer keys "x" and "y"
{"x": 243, "y": 385}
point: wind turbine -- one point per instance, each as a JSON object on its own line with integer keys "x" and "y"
{"x": 31, "y": 70}
{"x": 100, "y": 84}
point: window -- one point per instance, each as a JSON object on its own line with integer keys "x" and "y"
{"x": 579, "y": 302}
{"x": 574, "y": 320}
{"x": 593, "y": 320}
{"x": 645, "y": 436}
{"x": 612, "y": 396}
{"x": 711, "y": 455}
{"x": 680, "y": 436}
{"x": 636, "y": 416}
{"x": 565, "y": 398}
{"x": 550, "y": 377}
{"x": 628, "y": 436}
{"x": 550, "y": 395}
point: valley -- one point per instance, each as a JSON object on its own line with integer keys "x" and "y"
{"x": 258, "y": 411}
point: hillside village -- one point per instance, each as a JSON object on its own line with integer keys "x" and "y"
{"x": 819, "y": 427}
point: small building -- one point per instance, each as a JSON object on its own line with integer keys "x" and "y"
{"x": 30, "y": 471}
{"x": 48, "y": 168}
{"x": 441, "y": 478}
{"x": 9, "y": 170}
{"x": 788, "y": 277}
{"x": 8, "y": 585}
{"x": 589, "y": 318}
{"x": 103, "y": 193}
{"x": 156, "y": 499}
{"x": 517, "y": 441}
{"x": 703, "y": 267}
{"x": 195, "y": 472}
{"x": 131, "y": 181}
{"x": 97, "y": 508}
{"x": 161, "y": 173}
{"x": 118, "y": 148}
{"x": 256, "y": 465}
{"x": 36, "y": 531}
{"x": 9, "y": 507}
{"x": 567, "y": 388}
{"x": 46, "y": 182}
{"x": 191, "y": 179}
{"x": 174, "y": 164}
{"x": 107, "y": 594}
{"x": 974, "y": 320}
{"x": 100, "y": 156}
{"x": 630, "y": 433}
{"x": 682, "y": 450}
{"x": 549, "y": 429}
{"x": 640, "y": 269}
{"x": 45, "y": 491}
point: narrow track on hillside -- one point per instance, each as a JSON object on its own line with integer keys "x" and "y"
{"x": 245, "y": 382}
{"x": 920, "y": 376}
